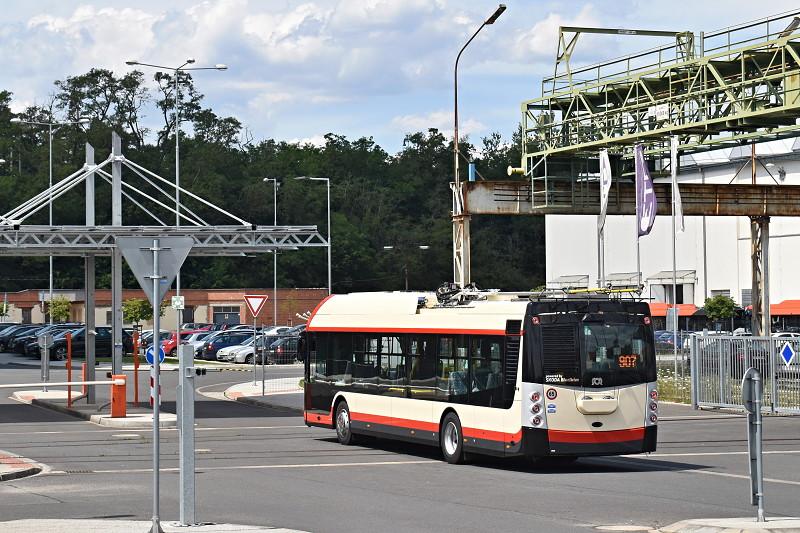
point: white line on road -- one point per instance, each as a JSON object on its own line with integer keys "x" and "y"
{"x": 92, "y": 430}
{"x": 740, "y": 476}
{"x": 706, "y": 454}
{"x": 246, "y": 467}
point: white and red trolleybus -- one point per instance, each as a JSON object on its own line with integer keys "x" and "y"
{"x": 485, "y": 372}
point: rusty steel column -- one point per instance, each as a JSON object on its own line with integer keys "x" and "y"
{"x": 461, "y": 251}
{"x": 759, "y": 256}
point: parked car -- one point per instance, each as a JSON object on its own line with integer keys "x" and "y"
{"x": 221, "y": 340}
{"x": 7, "y": 336}
{"x": 196, "y": 339}
{"x": 246, "y": 353}
{"x": 102, "y": 343}
{"x": 227, "y": 353}
{"x": 147, "y": 337}
{"x": 222, "y": 327}
{"x": 195, "y": 326}
{"x": 29, "y": 344}
{"x": 283, "y": 351}
{"x": 170, "y": 345}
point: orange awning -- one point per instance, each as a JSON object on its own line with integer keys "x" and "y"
{"x": 660, "y": 309}
{"x": 785, "y": 308}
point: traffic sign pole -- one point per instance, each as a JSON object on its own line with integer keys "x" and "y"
{"x": 154, "y": 371}
{"x": 752, "y": 391}
{"x": 255, "y": 302}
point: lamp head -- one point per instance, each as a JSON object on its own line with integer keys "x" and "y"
{"x": 16, "y": 120}
{"x": 221, "y": 66}
{"x": 84, "y": 121}
{"x": 189, "y": 60}
{"x": 496, "y": 14}
{"x": 131, "y": 62}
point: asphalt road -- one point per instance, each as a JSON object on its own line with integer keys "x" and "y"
{"x": 260, "y": 466}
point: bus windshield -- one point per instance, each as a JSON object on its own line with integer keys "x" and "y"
{"x": 615, "y": 354}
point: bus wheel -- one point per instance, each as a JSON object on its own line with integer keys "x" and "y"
{"x": 343, "y": 430}
{"x": 451, "y": 439}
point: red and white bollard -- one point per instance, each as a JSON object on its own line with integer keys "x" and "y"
{"x": 152, "y": 393}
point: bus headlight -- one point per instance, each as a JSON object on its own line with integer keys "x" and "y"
{"x": 535, "y": 396}
{"x": 536, "y": 420}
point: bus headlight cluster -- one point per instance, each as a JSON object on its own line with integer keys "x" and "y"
{"x": 536, "y": 420}
{"x": 534, "y": 403}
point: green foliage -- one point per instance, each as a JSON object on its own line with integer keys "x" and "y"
{"x": 60, "y": 308}
{"x": 720, "y": 307}
{"x": 136, "y": 310}
{"x": 377, "y": 199}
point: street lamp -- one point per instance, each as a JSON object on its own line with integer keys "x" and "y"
{"x": 275, "y": 251}
{"x": 490, "y": 20}
{"x": 328, "y": 183}
{"x": 177, "y": 71}
{"x": 405, "y": 262}
{"x": 82, "y": 121}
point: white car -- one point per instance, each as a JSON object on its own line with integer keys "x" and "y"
{"x": 196, "y": 340}
{"x": 226, "y": 354}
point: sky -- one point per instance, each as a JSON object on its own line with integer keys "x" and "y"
{"x": 359, "y": 68}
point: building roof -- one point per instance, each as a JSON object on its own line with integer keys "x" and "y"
{"x": 660, "y": 308}
{"x": 683, "y": 276}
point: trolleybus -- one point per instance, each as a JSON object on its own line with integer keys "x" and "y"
{"x": 485, "y": 372}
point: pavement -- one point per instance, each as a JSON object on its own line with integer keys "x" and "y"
{"x": 125, "y": 526}
{"x": 735, "y": 525}
{"x": 263, "y": 466}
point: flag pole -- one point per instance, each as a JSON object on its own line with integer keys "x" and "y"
{"x": 673, "y": 188}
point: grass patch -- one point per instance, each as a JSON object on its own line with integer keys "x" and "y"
{"x": 672, "y": 388}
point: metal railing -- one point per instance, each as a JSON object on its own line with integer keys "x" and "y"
{"x": 718, "y": 363}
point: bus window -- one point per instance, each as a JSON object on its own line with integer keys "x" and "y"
{"x": 422, "y": 376}
{"x": 616, "y": 354}
{"x": 392, "y": 375}
{"x": 340, "y": 363}
{"x": 486, "y": 371}
{"x": 366, "y": 360}
{"x": 451, "y": 378}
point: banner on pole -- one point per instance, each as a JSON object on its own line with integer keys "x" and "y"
{"x": 605, "y": 186}
{"x": 676, "y": 193}
{"x": 646, "y": 204}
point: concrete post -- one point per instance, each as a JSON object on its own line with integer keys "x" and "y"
{"x": 89, "y": 279}
{"x": 185, "y": 406}
{"x": 116, "y": 256}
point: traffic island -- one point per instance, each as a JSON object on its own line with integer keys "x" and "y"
{"x": 283, "y": 394}
{"x": 735, "y": 525}
{"x": 15, "y": 467}
{"x": 125, "y": 526}
{"x": 56, "y": 400}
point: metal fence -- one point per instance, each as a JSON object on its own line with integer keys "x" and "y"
{"x": 718, "y": 363}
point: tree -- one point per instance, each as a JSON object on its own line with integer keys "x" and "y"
{"x": 137, "y": 310}
{"x": 60, "y": 308}
{"x": 720, "y": 307}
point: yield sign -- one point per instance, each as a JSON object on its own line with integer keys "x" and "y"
{"x": 138, "y": 252}
{"x": 255, "y": 302}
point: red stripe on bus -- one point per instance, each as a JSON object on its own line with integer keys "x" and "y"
{"x": 396, "y": 422}
{"x": 317, "y": 418}
{"x": 595, "y": 437}
{"x": 410, "y": 330}
{"x": 486, "y": 434}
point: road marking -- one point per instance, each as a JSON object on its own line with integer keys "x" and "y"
{"x": 740, "y": 476}
{"x": 246, "y": 467}
{"x": 707, "y": 454}
{"x": 126, "y": 435}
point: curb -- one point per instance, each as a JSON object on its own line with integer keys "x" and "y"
{"x": 259, "y": 403}
{"x": 31, "y": 470}
{"x": 100, "y": 420}
{"x": 734, "y": 525}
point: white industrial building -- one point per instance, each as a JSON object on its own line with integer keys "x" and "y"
{"x": 713, "y": 254}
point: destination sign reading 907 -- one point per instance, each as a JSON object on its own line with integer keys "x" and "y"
{"x": 628, "y": 360}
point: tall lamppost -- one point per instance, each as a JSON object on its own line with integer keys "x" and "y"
{"x": 405, "y": 262}
{"x": 490, "y": 20}
{"x": 176, "y": 71}
{"x": 328, "y": 183}
{"x": 275, "y": 251}
{"x": 52, "y": 127}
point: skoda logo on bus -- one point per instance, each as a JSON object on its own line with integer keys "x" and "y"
{"x": 597, "y": 382}
{"x": 551, "y": 394}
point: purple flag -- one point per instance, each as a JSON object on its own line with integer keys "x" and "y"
{"x": 645, "y": 194}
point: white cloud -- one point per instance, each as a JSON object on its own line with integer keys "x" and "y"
{"x": 314, "y": 140}
{"x": 441, "y": 120}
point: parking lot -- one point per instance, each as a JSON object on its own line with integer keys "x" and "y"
{"x": 262, "y": 466}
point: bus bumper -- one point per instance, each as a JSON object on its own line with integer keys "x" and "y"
{"x": 545, "y": 443}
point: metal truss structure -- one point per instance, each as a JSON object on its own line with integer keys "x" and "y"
{"x": 742, "y": 84}
{"x": 236, "y": 238}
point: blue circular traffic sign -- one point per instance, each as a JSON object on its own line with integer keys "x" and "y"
{"x": 148, "y": 355}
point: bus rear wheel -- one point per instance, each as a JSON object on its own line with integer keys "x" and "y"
{"x": 451, "y": 439}
{"x": 344, "y": 433}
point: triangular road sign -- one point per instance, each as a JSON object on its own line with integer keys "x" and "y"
{"x": 255, "y": 302}
{"x": 137, "y": 252}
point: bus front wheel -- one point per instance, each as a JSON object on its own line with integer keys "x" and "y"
{"x": 451, "y": 439}
{"x": 344, "y": 433}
